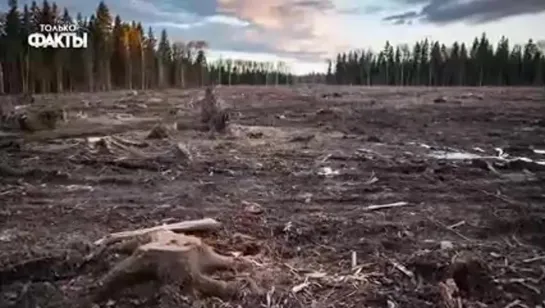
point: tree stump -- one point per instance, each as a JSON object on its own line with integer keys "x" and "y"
{"x": 209, "y": 106}
{"x": 172, "y": 259}
{"x": 219, "y": 121}
{"x": 212, "y": 114}
{"x": 159, "y": 131}
{"x": 44, "y": 119}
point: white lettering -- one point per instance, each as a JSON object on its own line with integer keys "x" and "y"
{"x": 79, "y": 42}
{"x": 49, "y": 41}
{"x": 58, "y": 28}
{"x": 36, "y": 39}
{"x": 57, "y": 40}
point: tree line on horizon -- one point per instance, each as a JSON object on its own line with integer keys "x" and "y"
{"x": 120, "y": 55}
{"x": 431, "y": 63}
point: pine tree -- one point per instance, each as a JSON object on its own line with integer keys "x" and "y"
{"x": 121, "y": 55}
{"x": 435, "y": 64}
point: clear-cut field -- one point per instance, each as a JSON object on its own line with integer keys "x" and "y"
{"x": 292, "y": 182}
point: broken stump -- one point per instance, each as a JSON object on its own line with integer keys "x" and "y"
{"x": 158, "y": 131}
{"x": 159, "y": 254}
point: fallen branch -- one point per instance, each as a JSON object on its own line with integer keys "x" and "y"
{"x": 300, "y": 287}
{"x": 402, "y": 268}
{"x": 384, "y": 206}
{"x": 458, "y": 224}
{"x": 534, "y": 259}
{"x": 521, "y": 281}
{"x": 205, "y": 224}
{"x": 128, "y": 142}
{"x": 515, "y": 303}
{"x": 442, "y": 225}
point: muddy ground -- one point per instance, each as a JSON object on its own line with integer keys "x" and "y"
{"x": 311, "y": 160}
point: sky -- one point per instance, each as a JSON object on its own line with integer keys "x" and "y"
{"x": 305, "y": 33}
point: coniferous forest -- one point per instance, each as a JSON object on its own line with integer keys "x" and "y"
{"x": 435, "y": 64}
{"x": 125, "y": 55}
{"x": 120, "y": 55}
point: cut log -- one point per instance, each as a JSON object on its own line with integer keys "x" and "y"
{"x": 205, "y": 224}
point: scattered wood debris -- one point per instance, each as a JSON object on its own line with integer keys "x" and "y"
{"x": 402, "y": 268}
{"x": 334, "y": 94}
{"x": 182, "y": 152}
{"x": 252, "y": 207}
{"x": 114, "y": 146}
{"x": 302, "y": 138}
{"x": 441, "y": 99}
{"x": 450, "y": 294}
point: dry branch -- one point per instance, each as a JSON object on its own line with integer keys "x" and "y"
{"x": 530, "y": 260}
{"x": 205, "y": 224}
{"x": 442, "y": 225}
{"x": 385, "y": 206}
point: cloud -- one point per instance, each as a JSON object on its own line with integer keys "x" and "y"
{"x": 303, "y": 29}
{"x": 474, "y": 11}
{"x": 210, "y": 20}
{"x": 371, "y": 9}
{"x": 402, "y": 17}
{"x": 295, "y": 28}
{"x": 357, "y": 10}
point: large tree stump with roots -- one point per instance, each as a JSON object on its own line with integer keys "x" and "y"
{"x": 159, "y": 254}
{"x": 219, "y": 121}
{"x": 212, "y": 114}
{"x": 43, "y": 119}
{"x": 209, "y": 105}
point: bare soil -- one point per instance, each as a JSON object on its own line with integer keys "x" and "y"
{"x": 291, "y": 182}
